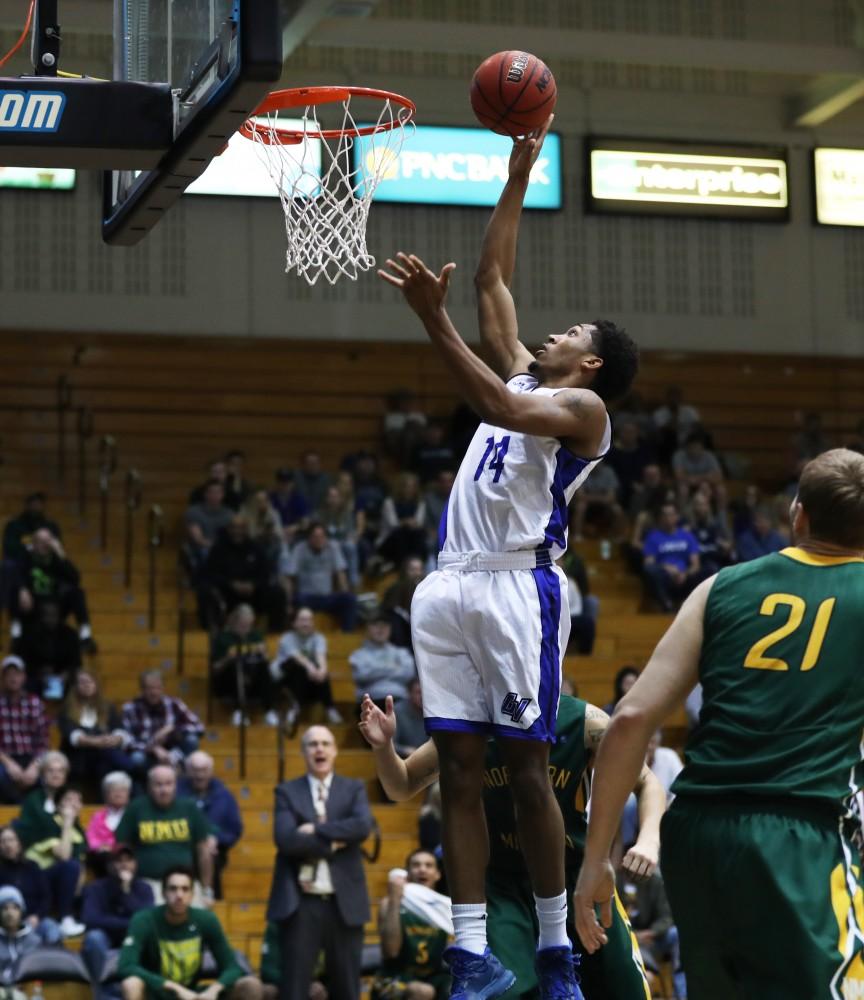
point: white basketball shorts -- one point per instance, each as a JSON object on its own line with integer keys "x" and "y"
{"x": 489, "y": 644}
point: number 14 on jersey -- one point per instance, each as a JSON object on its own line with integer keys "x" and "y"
{"x": 495, "y": 453}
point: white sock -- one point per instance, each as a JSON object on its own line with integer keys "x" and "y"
{"x": 84, "y": 632}
{"x": 552, "y": 917}
{"x": 15, "y": 629}
{"x": 469, "y": 924}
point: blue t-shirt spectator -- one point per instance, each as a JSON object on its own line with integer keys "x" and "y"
{"x": 760, "y": 540}
{"x": 672, "y": 548}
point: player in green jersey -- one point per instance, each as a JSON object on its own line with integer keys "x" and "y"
{"x": 412, "y": 945}
{"x": 762, "y": 877}
{"x": 616, "y": 972}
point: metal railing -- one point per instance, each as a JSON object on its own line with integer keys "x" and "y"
{"x": 85, "y": 432}
{"x": 133, "y": 502}
{"x": 64, "y": 403}
{"x": 155, "y": 538}
{"x": 107, "y": 467}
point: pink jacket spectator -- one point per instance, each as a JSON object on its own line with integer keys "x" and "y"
{"x": 100, "y": 836}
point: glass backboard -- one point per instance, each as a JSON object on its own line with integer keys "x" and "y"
{"x": 221, "y": 58}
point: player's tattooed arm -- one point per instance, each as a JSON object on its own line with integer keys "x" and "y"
{"x": 596, "y": 722}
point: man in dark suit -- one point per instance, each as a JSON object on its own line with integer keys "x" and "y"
{"x": 318, "y": 896}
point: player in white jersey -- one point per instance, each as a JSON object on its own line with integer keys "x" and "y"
{"x": 490, "y": 626}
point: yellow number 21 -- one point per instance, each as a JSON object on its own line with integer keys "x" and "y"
{"x": 756, "y": 657}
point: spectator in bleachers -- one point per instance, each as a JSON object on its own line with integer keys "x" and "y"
{"x": 236, "y": 572}
{"x": 55, "y": 841}
{"x": 415, "y": 927}
{"x": 671, "y": 567}
{"x": 435, "y": 503}
{"x": 204, "y": 522}
{"x": 316, "y": 577}
{"x": 396, "y": 601}
{"x": 216, "y": 471}
{"x": 624, "y": 680}
{"x": 709, "y": 529}
{"x": 744, "y": 509}
{"x": 29, "y": 879}
{"x": 91, "y": 731}
{"x": 101, "y": 831}
{"x": 310, "y": 480}
{"x": 632, "y": 409}
{"x": 379, "y": 668}
{"x": 240, "y": 648}
{"x": 339, "y": 518}
{"x": 318, "y": 896}
{"x": 433, "y": 453}
{"x": 264, "y": 524}
{"x": 18, "y": 532}
{"x": 811, "y": 440}
{"x": 162, "y": 729}
{"x": 410, "y": 725}
{"x": 647, "y": 498}
{"x": 675, "y": 420}
{"x": 166, "y": 830}
{"x": 47, "y": 575}
{"x": 17, "y": 936}
{"x": 300, "y": 667}
{"x": 598, "y": 501}
{"x": 237, "y": 489}
{"x": 50, "y": 650}
{"x": 109, "y": 903}
{"x": 584, "y": 606}
{"x": 370, "y": 491}
{"x": 628, "y": 456}
{"x": 697, "y": 468}
{"x": 290, "y": 505}
{"x": 402, "y": 533}
{"x": 23, "y": 732}
{"x": 760, "y": 540}
{"x": 163, "y": 951}
{"x": 651, "y": 920}
{"x": 217, "y": 803}
{"x": 403, "y": 424}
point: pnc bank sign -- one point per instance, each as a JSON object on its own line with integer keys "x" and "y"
{"x": 457, "y": 166}
{"x": 669, "y": 180}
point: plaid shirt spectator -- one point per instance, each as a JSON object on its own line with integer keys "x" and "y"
{"x": 142, "y": 720}
{"x": 23, "y": 726}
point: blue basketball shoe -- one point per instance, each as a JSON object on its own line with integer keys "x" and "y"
{"x": 556, "y": 973}
{"x": 476, "y": 977}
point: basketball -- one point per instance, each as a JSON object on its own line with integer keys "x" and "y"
{"x": 513, "y": 93}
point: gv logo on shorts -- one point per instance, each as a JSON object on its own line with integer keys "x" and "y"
{"x": 514, "y": 706}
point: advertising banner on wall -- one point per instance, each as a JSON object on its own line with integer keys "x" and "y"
{"x": 839, "y": 184}
{"x": 459, "y": 166}
{"x": 37, "y": 178}
{"x": 664, "y": 178}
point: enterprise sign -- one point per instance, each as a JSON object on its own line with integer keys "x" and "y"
{"x": 679, "y": 179}
{"x": 458, "y": 166}
{"x": 839, "y": 186}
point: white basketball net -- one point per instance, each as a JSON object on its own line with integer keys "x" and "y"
{"x": 324, "y": 196}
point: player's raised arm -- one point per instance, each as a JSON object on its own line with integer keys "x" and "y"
{"x": 499, "y": 329}
{"x": 576, "y": 416}
{"x": 402, "y": 779}
{"x": 664, "y": 683}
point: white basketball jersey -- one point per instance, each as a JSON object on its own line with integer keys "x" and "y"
{"x": 512, "y": 489}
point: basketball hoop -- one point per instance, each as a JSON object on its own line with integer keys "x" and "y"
{"x": 326, "y": 211}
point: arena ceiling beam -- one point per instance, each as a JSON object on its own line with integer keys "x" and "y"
{"x": 592, "y": 46}
{"x": 825, "y": 98}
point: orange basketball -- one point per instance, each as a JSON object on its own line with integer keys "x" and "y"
{"x": 513, "y": 93}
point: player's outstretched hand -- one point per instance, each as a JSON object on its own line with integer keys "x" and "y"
{"x": 424, "y": 290}
{"x": 596, "y": 884}
{"x": 640, "y": 862}
{"x": 525, "y": 151}
{"x": 378, "y": 728}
